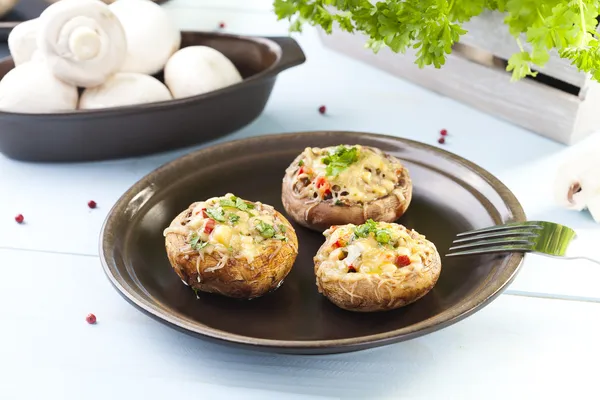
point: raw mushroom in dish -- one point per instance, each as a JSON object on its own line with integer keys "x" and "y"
{"x": 124, "y": 88}
{"x": 22, "y": 41}
{"x": 577, "y": 184}
{"x": 152, "y": 36}
{"x": 82, "y": 40}
{"x": 196, "y": 70}
{"x": 32, "y": 88}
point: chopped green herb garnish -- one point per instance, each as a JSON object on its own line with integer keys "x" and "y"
{"x": 242, "y": 205}
{"x": 234, "y": 218}
{"x": 383, "y": 236}
{"x": 340, "y": 159}
{"x": 216, "y": 213}
{"x": 236, "y": 202}
{"x": 301, "y": 163}
{"x": 280, "y": 237}
{"x": 227, "y": 203}
{"x": 267, "y": 231}
{"x": 196, "y": 243}
{"x": 339, "y": 203}
{"x": 282, "y": 228}
{"x": 363, "y": 230}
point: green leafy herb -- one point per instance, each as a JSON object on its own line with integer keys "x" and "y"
{"x": 432, "y": 27}
{"x": 234, "y": 218}
{"x": 236, "y": 202}
{"x": 301, "y": 163}
{"x": 381, "y": 235}
{"x": 282, "y": 228}
{"x": 216, "y": 213}
{"x": 363, "y": 231}
{"x": 339, "y": 203}
{"x": 280, "y": 237}
{"x": 266, "y": 230}
{"x": 196, "y": 243}
{"x": 339, "y": 160}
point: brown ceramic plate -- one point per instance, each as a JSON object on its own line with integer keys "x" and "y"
{"x": 91, "y": 135}
{"x": 450, "y": 195}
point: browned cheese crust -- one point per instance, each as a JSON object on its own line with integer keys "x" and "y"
{"x": 320, "y": 215}
{"x": 238, "y": 278}
{"x": 362, "y": 292}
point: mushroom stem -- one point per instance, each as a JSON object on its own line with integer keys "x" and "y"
{"x": 83, "y": 41}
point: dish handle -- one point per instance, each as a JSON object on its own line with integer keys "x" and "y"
{"x": 291, "y": 54}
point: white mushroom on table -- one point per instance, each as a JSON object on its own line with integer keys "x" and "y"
{"x": 87, "y": 54}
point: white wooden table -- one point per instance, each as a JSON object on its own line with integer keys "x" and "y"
{"x": 540, "y": 339}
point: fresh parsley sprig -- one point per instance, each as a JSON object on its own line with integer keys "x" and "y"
{"x": 382, "y": 236}
{"x": 432, "y": 27}
{"x": 339, "y": 159}
{"x": 236, "y": 202}
{"x": 196, "y": 243}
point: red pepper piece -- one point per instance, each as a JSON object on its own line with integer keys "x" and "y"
{"x": 210, "y": 225}
{"x": 204, "y": 214}
{"x": 301, "y": 170}
{"x": 402, "y": 261}
{"x": 339, "y": 243}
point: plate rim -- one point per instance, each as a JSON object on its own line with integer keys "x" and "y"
{"x": 480, "y": 299}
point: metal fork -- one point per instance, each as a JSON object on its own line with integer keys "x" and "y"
{"x": 541, "y": 237}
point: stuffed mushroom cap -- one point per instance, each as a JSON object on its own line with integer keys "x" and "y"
{"x": 376, "y": 266}
{"x": 345, "y": 184}
{"x": 231, "y": 246}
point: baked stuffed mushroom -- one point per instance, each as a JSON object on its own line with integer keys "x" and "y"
{"x": 231, "y": 246}
{"x": 375, "y": 266}
{"x": 345, "y": 184}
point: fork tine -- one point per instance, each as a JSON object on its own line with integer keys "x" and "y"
{"x": 519, "y": 240}
{"x": 516, "y": 234}
{"x": 493, "y": 249}
{"x": 505, "y": 227}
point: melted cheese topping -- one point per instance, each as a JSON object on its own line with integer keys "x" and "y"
{"x": 385, "y": 249}
{"x": 231, "y": 227}
{"x": 371, "y": 176}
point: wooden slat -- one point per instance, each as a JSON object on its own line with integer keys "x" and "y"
{"x": 529, "y": 104}
{"x": 489, "y": 32}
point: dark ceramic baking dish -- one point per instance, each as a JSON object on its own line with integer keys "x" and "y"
{"x": 130, "y": 131}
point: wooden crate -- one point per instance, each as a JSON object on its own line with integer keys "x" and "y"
{"x": 561, "y": 103}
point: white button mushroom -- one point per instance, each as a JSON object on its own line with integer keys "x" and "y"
{"x": 82, "y": 40}
{"x": 32, "y": 88}
{"x": 196, "y": 70}
{"x": 124, "y": 88}
{"x": 151, "y": 35}
{"x": 577, "y": 184}
{"x": 22, "y": 41}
